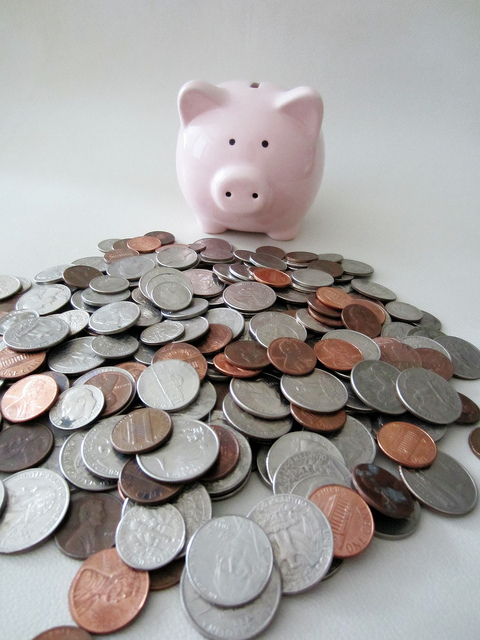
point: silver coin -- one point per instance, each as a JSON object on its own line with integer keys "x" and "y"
{"x": 197, "y": 307}
{"x": 356, "y": 268}
{"x": 108, "y": 284}
{"x": 355, "y": 443}
{"x": 144, "y": 354}
{"x": 169, "y": 385}
{"x": 396, "y": 528}
{"x": 374, "y": 382}
{"x": 202, "y": 405}
{"x": 228, "y": 317}
{"x": 44, "y": 299}
{"x": 74, "y": 357}
{"x": 253, "y": 426}
{"x": 373, "y": 290}
{"x": 308, "y": 485}
{"x": 195, "y": 505}
{"x": 51, "y": 275}
{"x": 37, "y": 335}
{"x": 114, "y": 318}
{"x": 77, "y": 407}
{"x": 429, "y": 396}
{"x": 94, "y": 299}
{"x": 77, "y": 302}
{"x": 171, "y": 296}
{"x": 264, "y": 317}
{"x": 306, "y": 464}
{"x": 131, "y": 268}
{"x": 397, "y": 330}
{"x": 404, "y": 311}
{"x": 236, "y": 479}
{"x": 250, "y": 297}
{"x": 241, "y": 271}
{"x": 370, "y": 349}
{"x": 98, "y": 453}
{"x": 3, "y": 497}
{"x": 9, "y": 285}
{"x": 231, "y": 623}
{"x": 332, "y": 257}
{"x": 191, "y": 450}
{"x": 161, "y": 275}
{"x": 15, "y": 318}
{"x": 294, "y": 442}
{"x": 107, "y": 245}
{"x": 301, "y": 537}
{"x": 115, "y": 346}
{"x": 464, "y": 355}
{"x": 318, "y": 391}
{"x": 282, "y": 327}
{"x": 292, "y": 296}
{"x": 177, "y": 257}
{"x": 162, "y": 332}
{"x": 149, "y": 315}
{"x": 305, "y": 319}
{"x": 268, "y": 261}
{"x": 148, "y": 538}
{"x": 223, "y": 273}
{"x": 261, "y": 461}
{"x": 74, "y": 469}
{"x": 204, "y": 283}
{"x": 38, "y": 500}
{"x": 97, "y": 262}
{"x": 418, "y": 342}
{"x": 445, "y": 486}
{"x": 261, "y": 397}
{"x": 193, "y": 329}
{"x": 354, "y": 403}
{"x": 311, "y": 278}
{"x": 226, "y": 542}
{"x": 77, "y": 320}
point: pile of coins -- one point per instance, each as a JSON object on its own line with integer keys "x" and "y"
{"x": 142, "y": 384}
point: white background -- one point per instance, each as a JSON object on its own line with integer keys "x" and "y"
{"x": 88, "y": 128}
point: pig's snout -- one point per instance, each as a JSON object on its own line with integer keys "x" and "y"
{"x": 240, "y": 190}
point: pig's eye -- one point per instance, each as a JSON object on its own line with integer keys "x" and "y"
{"x": 231, "y": 141}
{"x": 265, "y": 143}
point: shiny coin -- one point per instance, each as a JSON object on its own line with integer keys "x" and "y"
{"x": 74, "y": 469}
{"x": 15, "y": 364}
{"x": 51, "y": 275}
{"x": 220, "y": 544}
{"x": 465, "y": 356}
{"x": 131, "y": 268}
{"x": 272, "y": 277}
{"x": 117, "y": 386}
{"x": 216, "y": 338}
{"x": 318, "y": 391}
{"x": 355, "y": 443}
{"x": 186, "y": 352}
{"x": 24, "y": 446}
{"x": 77, "y": 407}
{"x": 311, "y": 279}
{"x": 98, "y": 454}
{"x": 98, "y": 581}
{"x": 74, "y": 357}
{"x": 177, "y": 257}
{"x": 254, "y": 426}
{"x": 356, "y": 268}
{"x": 9, "y": 285}
{"x": 339, "y": 355}
{"x": 161, "y": 333}
{"x": 77, "y": 320}
{"x": 373, "y": 290}
{"x": 168, "y": 385}
{"x": 114, "y": 318}
{"x": 108, "y": 284}
{"x": 260, "y": 397}
{"x": 306, "y": 464}
{"x": 194, "y": 329}
{"x": 370, "y": 350}
{"x": 171, "y": 296}
{"x": 268, "y": 261}
{"x": 383, "y": 491}
{"x": 95, "y": 300}
{"x": 283, "y": 326}
{"x": 141, "y": 430}
{"x": 144, "y": 244}
{"x": 445, "y": 486}
{"x": 44, "y": 299}
{"x": 428, "y": 396}
{"x": 407, "y": 444}
{"x": 250, "y": 297}
{"x": 16, "y": 317}
{"x": 403, "y": 311}
{"x": 334, "y": 298}
{"x": 37, "y": 335}
{"x": 374, "y": 382}
{"x": 28, "y": 398}
{"x": 115, "y": 347}
{"x": 37, "y": 502}
{"x": 204, "y": 283}
{"x": 197, "y": 307}
{"x": 229, "y": 317}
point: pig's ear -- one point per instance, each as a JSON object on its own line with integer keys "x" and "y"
{"x": 197, "y": 97}
{"x": 304, "y": 104}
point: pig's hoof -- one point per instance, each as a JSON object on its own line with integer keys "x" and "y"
{"x": 289, "y": 233}
{"x": 213, "y": 227}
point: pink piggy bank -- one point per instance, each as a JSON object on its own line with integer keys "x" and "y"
{"x": 250, "y": 157}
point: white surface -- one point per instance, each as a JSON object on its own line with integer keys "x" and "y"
{"x": 88, "y": 128}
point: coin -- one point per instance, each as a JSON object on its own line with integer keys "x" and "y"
{"x": 436, "y": 361}
{"x": 24, "y": 446}
{"x": 228, "y": 457}
{"x": 470, "y": 411}
{"x": 260, "y": 397}
{"x": 398, "y": 354}
{"x": 474, "y": 441}
{"x": 373, "y": 290}
{"x": 465, "y": 356}
{"x": 334, "y": 298}
{"x": 291, "y": 356}
{"x": 320, "y": 422}
{"x": 318, "y": 391}
{"x": 143, "y": 489}
{"x": 428, "y": 396}
{"x": 28, "y": 398}
{"x": 383, "y": 491}
{"x": 374, "y": 382}
{"x": 253, "y": 426}
{"x": 141, "y": 430}
{"x": 217, "y": 337}
{"x": 37, "y": 335}
{"x": 64, "y": 633}
{"x": 246, "y": 354}
{"x": 95, "y": 601}
{"x": 407, "y": 444}
{"x": 14, "y": 364}
{"x": 77, "y": 407}
{"x": 168, "y": 385}
{"x": 359, "y": 318}
{"x": 337, "y": 354}
{"x": 167, "y": 576}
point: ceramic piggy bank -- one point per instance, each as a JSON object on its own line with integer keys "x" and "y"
{"x": 249, "y": 156}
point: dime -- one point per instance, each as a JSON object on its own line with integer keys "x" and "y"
{"x": 115, "y": 347}
{"x": 403, "y": 311}
{"x": 74, "y": 469}
{"x": 108, "y": 284}
{"x": 76, "y": 407}
{"x": 98, "y": 454}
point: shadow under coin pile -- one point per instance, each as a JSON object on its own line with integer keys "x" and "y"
{"x": 141, "y": 384}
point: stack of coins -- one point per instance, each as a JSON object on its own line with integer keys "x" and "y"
{"x": 140, "y": 385}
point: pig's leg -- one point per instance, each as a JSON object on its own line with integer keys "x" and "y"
{"x": 287, "y": 233}
{"x": 210, "y": 226}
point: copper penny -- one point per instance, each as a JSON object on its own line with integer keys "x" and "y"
{"x": 383, "y": 491}
{"x": 144, "y": 244}
{"x": 470, "y": 411}
{"x": 349, "y": 516}
{"x": 228, "y": 456}
{"x": 474, "y": 441}
{"x": 106, "y": 594}
{"x": 28, "y": 398}
{"x": 64, "y": 633}
{"x": 272, "y": 277}
{"x": 216, "y": 338}
{"x": 89, "y": 525}
{"x": 117, "y": 389}
{"x": 291, "y": 356}
{"x": 187, "y": 353}
{"x": 315, "y": 304}
{"x": 80, "y": 276}
{"x": 340, "y": 355}
{"x": 141, "y": 430}
{"x": 247, "y": 354}
{"x": 319, "y": 422}
{"x": 167, "y": 576}
{"x": 358, "y": 318}
{"x": 221, "y": 363}
{"x": 328, "y": 266}
{"x": 24, "y": 446}
{"x": 400, "y": 355}
{"x": 136, "y": 485}
{"x": 18, "y": 364}
{"x": 331, "y": 297}
{"x": 376, "y": 307}
{"x": 119, "y": 254}
{"x": 436, "y": 361}
{"x": 327, "y": 320}
{"x": 407, "y": 444}
{"x": 135, "y": 368}
{"x": 165, "y": 237}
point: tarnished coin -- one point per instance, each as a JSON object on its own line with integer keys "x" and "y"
{"x": 260, "y": 397}
{"x": 318, "y": 391}
{"x": 28, "y": 398}
{"x": 246, "y": 354}
{"x": 445, "y": 486}
{"x": 334, "y": 298}
{"x": 116, "y": 385}
{"x": 303, "y": 559}
{"x": 204, "y": 283}
{"x": 349, "y": 516}
{"x": 292, "y": 356}
{"x": 474, "y": 441}
{"x": 465, "y": 356}
{"x": 89, "y": 525}
{"x": 37, "y": 502}
{"x": 228, "y": 456}
{"x": 374, "y": 382}
{"x": 96, "y": 603}
{"x": 383, "y": 491}
{"x": 167, "y": 576}
{"x": 220, "y": 544}
{"x": 24, "y": 446}
{"x": 428, "y": 396}
{"x": 403, "y": 311}
{"x": 217, "y": 337}
{"x": 435, "y": 361}
{"x": 168, "y": 385}
{"x": 141, "y": 430}
{"x": 356, "y": 268}
{"x": 79, "y": 276}
{"x": 359, "y": 318}
{"x": 136, "y": 485}
{"x": 407, "y": 444}
{"x": 339, "y": 355}
{"x": 389, "y": 528}
{"x": 470, "y": 410}
{"x": 221, "y": 363}
{"x": 76, "y": 407}
{"x": 37, "y": 335}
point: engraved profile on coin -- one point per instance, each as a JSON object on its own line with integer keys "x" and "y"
{"x": 88, "y": 536}
{"x": 76, "y": 407}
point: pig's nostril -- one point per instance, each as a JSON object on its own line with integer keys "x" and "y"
{"x": 228, "y": 194}
{"x": 254, "y": 195}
